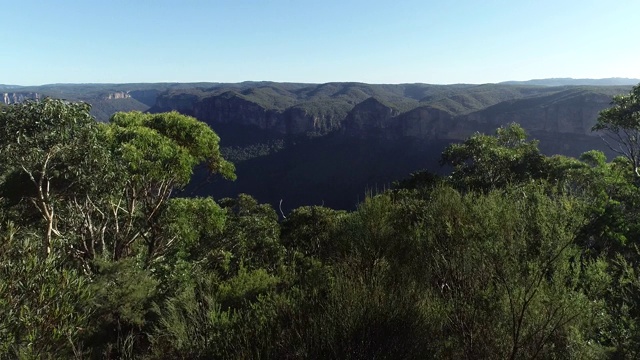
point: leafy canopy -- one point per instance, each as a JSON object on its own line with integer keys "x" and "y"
{"x": 486, "y": 162}
{"x": 167, "y": 145}
{"x": 620, "y": 124}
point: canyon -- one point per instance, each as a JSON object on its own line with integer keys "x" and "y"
{"x": 313, "y": 144}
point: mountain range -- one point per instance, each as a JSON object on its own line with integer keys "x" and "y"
{"x": 326, "y": 144}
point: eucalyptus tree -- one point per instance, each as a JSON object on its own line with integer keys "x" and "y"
{"x": 620, "y": 126}
{"x": 154, "y": 155}
{"x": 484, "y": 162}
{"x": 100, "y": 188}
{"x": 51, "y": 153}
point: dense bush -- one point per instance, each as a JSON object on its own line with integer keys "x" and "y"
{"x": 515, "y": 255}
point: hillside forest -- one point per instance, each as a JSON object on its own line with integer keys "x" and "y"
{"x": 512, "y": 255}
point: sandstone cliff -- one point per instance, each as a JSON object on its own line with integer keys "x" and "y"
{"x": 444, "y": 113}
{"x": 118, "y": 95}
{"x": 233, "y": 108}
{"x": 18, "y": 97}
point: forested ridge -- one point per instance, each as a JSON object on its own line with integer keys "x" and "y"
{"x": 514, "y": 254}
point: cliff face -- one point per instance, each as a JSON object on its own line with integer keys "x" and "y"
{"x": 571, "y": 115}
{"x": 372, "y": 118}
{"x": 118, "y": 95}
{"x": 18, "y": 97}
{"x": 232, "y": 108}
{"x": 298, "y": 120}
{"x": 417, "y": 111}
{"x": 379, "y": 133}
{"x": 569, "y": 110}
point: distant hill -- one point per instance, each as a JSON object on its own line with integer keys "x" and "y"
{"x": 4, "y": 87}
{"x": 575, "y": 82}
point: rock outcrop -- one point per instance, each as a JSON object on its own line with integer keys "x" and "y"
{"x": 234, "y": 108}
{"x": 18, "y": 97}
{"x": 298, "y": 120}
{"x": 118, "y": 95}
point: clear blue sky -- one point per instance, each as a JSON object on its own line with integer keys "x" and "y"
{"x": 438, "y": 42}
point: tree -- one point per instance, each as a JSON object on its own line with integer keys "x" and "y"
{"x": 51, "y": 152}
{"x": 484, "y": 162}
{"x": 46, "y": 308}
{"x": 251, "y": 237}
{"x": 506, "y": 266}
{"x": 101, "y": 187}
{"x": 621, "y": 124}
{"x": 154, "y": 155}
{"x": 310, "y": 230}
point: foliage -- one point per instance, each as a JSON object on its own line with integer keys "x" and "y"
{"x": 122, "y": 298}
{"x": 214, "y": 319}
{"x": 51, "y": 153}
{"x": 46, "y": 307}
{"x": 242, "y": 153}
{"x": 195, "y": 225}
{"x": 514, "y": 255}
{"x": 158, "y": 153}
{"x": 154, "y": 144}
{"x": 252, "y": 235}
{"x": 309, "y": 230}
{"x": 484, "y": 162}
{"x": 621, "y": 332}
{"x": 621, "y": 124}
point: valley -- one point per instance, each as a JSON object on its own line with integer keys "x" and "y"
{"x": 329, "y": 144}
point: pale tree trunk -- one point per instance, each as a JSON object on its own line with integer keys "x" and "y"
{"x": 43, "y": 201}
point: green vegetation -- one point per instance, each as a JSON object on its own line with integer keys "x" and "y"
{"x": 621, "y": 123}
{"x": 513, "y": 255}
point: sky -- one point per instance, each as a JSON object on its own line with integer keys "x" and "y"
{"x": 412, "y": 41}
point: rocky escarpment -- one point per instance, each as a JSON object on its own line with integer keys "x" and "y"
{"x": 233, "y": 108}
{"x": 571, "y": 112}
{"x": 147, "y": 97}
{"x": 118, "y": 95}
{"x": 300, "y": 120}
{"x": 18, "y": 97}
{"x": 418, "y": 111}
{"x": 567, "y": 110}
{"x": 182, "y": 102}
